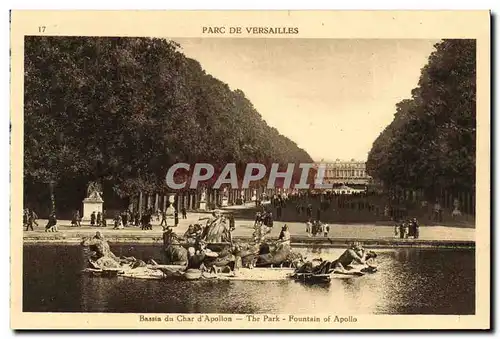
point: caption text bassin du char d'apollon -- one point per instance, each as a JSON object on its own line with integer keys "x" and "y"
{"x": 253, "y": 172}
{"x": 205, "y": 318}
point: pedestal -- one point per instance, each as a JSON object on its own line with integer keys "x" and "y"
{"x": 225, "y": 201}
{"x": 170, "y": 211}
{"x": 203, "y": 205}
{"x": 91, "y": 205}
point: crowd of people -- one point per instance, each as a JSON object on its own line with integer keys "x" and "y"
{"x": 127, "y": 218}
{"x": 30, "y": 219}
{"x": 355, "y": 207}
{"x": 407, "y": 228}
{"x": 316, "y": 227}
{"x": 123, "y": 219}
{"x": 263, "y": 224}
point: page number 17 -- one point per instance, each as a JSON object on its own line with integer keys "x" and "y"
{"x": 41, "y": 29}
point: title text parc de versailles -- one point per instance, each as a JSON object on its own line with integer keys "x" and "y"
{"x": 253, "y": 172}
{"x": 248, "y": 30}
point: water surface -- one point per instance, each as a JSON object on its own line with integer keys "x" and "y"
{"x": 409, "y": 281}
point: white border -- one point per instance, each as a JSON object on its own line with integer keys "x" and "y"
{"x": 186, "y": 4}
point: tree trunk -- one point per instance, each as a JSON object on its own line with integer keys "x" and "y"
{"x": 140, "y": 205}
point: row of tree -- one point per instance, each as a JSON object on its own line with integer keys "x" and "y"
{"x": 431, "y": 143}
{"x": 123, "y": 110}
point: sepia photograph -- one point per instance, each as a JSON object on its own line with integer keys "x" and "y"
{"x": 281, "y": 179}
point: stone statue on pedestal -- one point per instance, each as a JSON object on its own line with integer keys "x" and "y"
{"x": 203, "y": 199}
{"x": 93, "y": 202}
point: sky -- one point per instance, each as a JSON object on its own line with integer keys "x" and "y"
{"x": 332, "y": 97}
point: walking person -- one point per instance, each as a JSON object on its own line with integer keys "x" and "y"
{"x": 118, "y": 222}
{"x": 52, "y": 223}
{"x": 184, "y": 212}
{"x": 27, "y": 220}
{"x": 32, "y": 218}
{"x": 163, "y": 218}
{"x": 75, "y": 221}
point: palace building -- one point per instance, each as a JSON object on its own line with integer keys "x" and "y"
{"x": 347, "y": 173}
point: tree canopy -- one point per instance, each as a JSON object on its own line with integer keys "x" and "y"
{"x": 123, "y": 110}
{"x": 431, "y": 143}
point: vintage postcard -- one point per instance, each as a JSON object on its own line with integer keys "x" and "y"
{"x": 250, "y": 170}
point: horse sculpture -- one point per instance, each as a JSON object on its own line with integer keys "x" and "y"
{"x": 101, "y": 256}
{"x": 174, "y": 252}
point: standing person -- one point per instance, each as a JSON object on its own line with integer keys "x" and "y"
{"x": 318, "y": 214}
{"x": 184, "y": 212}
{"x": 437, "y": 212}
{"x": 92, "y": 219}
{"x": 309, "y": 211}
{"x": 176, "y": 218}
{"x": 401, "y": 229}
{"x": 163, "y": 218}
{"x": 326, "y": 230}
{"x": 25, "y": 218}
{"x": 416, "y": 226}
{"x": 99, "y": 219}
{"x": 278, "y": 212}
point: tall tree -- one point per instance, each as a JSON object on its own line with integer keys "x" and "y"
{"x": 430, "y": 144}
{"x": 123, "y": 110}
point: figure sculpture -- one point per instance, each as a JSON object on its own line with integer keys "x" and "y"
{"x": 94, "y": 190}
